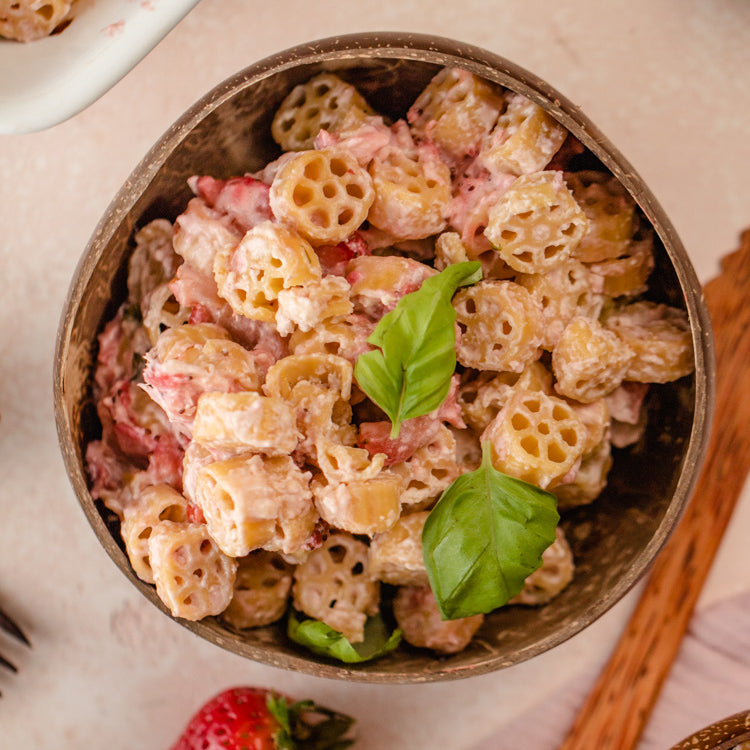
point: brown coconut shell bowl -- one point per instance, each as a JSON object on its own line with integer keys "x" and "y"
{"x": 730, "y": 733}
{"x": 227, "y": 133}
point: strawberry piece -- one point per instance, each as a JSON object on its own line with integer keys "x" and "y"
{"x": 246, "y": 718}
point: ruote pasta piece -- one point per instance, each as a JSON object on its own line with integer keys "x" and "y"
{"x": 325, "y": 102}
{"x": 359, "y": 506}
{"x": 589, "y": 361}
{"x": 590, "y": 479}
{"x": 334, "y": 585}
{"x": 151, "y": 507}
{"x": 323, "y": 194}
{"x": 564, "y": 293}
{"x": 344, "y": 463}
{"x": 306, "y": 307}
{"x": 262, "y": 588}
{"x": 660, "y": 337}
{"x": 456, "y": 111}
{"x": 256, "y": 502}
{"x": 412, "y": 195}
{"x": 429, "y": 470}
{"x": 245, "y": 422}
{"x": 481, "y": 397}
{"x": 536, "y": 223}
{"x": 536, "y": 438}
{"x": 501, "y": 326}
{"x": 269, "y": 258}
{"x": 418, "y": 616}
{"x": 29, "y": 20}
{"x": 193, "y": 577}
{"x": 626, "y": 275}
{"x": 611, "y": 214}
{"x": 193, "y": 359}
{"x": 396, "y": 554}
{"x": 524, "y": 139}
{"x": 379, "y": 282}
{"x": 555, "y": 573}
{"x": 328, "y": 371}
{"x": 345, "y": 338}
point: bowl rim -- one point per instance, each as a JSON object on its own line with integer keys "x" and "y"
{"x": 441, "y": 51}
{"x": 724, "y": 734}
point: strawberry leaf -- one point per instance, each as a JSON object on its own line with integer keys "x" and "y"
{"x": 409, "y": 374}
{"x": 484, "y": 537}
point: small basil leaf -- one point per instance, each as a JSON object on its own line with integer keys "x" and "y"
{"x": 323, "y": 640}
{"x": 409, "y": 374}
{"x": 484, "y": 537}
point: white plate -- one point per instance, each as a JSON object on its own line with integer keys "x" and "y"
{"x": 49, "y": 80}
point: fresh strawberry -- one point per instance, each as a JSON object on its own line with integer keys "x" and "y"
{"x": 245, "y": 718}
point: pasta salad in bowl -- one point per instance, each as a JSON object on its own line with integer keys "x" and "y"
{"x": 385, "y": 365}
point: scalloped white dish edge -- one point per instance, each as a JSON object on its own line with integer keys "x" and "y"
{"x": 45, "y": 82}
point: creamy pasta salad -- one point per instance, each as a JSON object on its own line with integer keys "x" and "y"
{"x": 365, "y": 381}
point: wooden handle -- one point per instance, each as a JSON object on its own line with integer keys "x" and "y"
{"x": 617, "y": 709}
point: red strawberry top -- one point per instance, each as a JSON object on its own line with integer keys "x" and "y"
{"x": 247, "y": 718}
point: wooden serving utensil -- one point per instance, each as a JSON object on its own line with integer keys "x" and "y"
{"x": 617, "y": 709}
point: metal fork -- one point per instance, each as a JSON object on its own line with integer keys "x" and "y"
{"x": 11, "y": 628}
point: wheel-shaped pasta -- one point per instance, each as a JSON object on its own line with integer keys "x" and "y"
{"x": 564, "y": 293}
{"x": 269, "y": 258}
{"x": 379, "y": 282}
{"x": 456, "y": 111}
{"x": 449, "y": 249}
{"x": 396, "y": 554}
{"x": 192, "y": 576}
{"x": 262, "y": 588}
{"x": 322, "y": 415}
{"x": 589, "y": 361}
{"x": 524, "y": 139}
{"x": 323, "y": 194}
{"x": 359, "y": 506}
{"x": 193, "y": 359}
{"x": 161, "y": 310}
{"x": 596, "y": 419}
{"x": 153, "y": 262}
{"x": 334, "y": 585}
{"x": 418, "y": 616}
{"x": 306, "y": 307}
{"x": 554, "y": 574}
{"x": 590, "y": 479}
{"x": 325, "y": 370}
{"x": 200, "y": 233}
{"x": 626, "y": 275}
{"x": 611, "y": 214}
{"x": 412, "y": 195}
{"x": 536, "y": 224}
{"x": 345, "y": 338}
{"x": 482, "y": 397}
{"x": 429, "y": 470}
{"x": 660, "y": 337}
{"x": 501, "y": 326}
{"x": 153, "y": 505}
{"x": 325, "y": 102}
{"x": 31, "y": 20}
{"x": 345, "y": 463}
{"x": 536, "y": 438}
{"x": 245, "y": 422}
{"x": 255, "y": 502}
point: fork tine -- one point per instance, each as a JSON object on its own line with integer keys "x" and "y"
{"x": 12, "y": 629}
{"x": 5, "y": 663}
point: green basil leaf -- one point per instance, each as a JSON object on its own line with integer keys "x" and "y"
{"x": 484, "y": 537}
{"x": 409, "y": 374}
{"x": 323, "y": 640}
